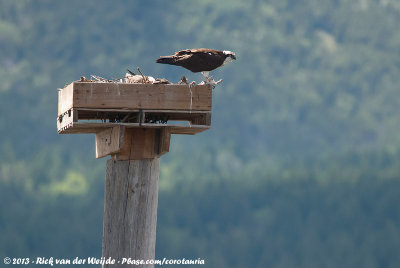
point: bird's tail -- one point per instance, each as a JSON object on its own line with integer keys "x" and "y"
{"x": 166, "y": 60}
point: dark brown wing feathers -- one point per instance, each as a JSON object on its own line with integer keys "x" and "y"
{"x": 196, "y": 60}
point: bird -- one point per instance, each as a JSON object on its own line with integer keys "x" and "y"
{"x": 201, "y": 60}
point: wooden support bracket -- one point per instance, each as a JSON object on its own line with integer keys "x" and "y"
{"x": 132, "y": 143}
{"x": 109, "y": 141}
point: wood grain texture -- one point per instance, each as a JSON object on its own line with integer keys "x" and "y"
{"x": 163, "y": 139}
{"x": 109, "y": 141}
{"x": 87, "y": 128}
{"x": 134, "y": 96}
{"x": 138, "y": 143}
{"x": 65, "y": 99}
{"x": 130, "y": 210}
{"x": 65, "y": 121}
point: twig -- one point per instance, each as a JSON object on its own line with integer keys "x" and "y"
{"x": 145, "y": 80}
{"x": 98, "y": 78}
{"x": 129, "y": 71}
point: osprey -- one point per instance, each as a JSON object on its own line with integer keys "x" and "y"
{"x": 201, "y": 60}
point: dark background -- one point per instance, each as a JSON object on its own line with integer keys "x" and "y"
{"x": 301, "y": 167}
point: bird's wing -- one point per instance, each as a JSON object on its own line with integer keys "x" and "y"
{"x": 182, "y": 57}
{"x": 183, "y": 52}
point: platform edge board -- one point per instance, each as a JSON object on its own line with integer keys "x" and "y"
{"x": 65, "y": 99}
{"x": 92, "y": 95}
{"x": 87, "y": 128}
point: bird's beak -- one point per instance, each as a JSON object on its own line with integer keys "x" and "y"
{"x": 234, "y": 57}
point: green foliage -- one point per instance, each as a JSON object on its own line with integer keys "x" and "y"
{"x": 283, "y": 223}
{"x": 300, "y": 168}
{"x": 73, "y": 184}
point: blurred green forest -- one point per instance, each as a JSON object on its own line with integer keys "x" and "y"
{"x": 301, "y": 167}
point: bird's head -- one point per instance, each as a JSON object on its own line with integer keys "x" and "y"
{"x": 230, "y": 54}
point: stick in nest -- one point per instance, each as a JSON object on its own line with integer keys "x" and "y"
{"x": 145, "y": 78}
{"x": 99, "y": 78}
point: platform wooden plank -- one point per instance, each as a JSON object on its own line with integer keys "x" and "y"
{"x": 87, "y": 128}
{"x": 146, "y": 110}
{"x": 65, "y": 97}
{"x": 67, "y": 119}
{"x": 196, "y": 117}
{"x": 91, "y": 95}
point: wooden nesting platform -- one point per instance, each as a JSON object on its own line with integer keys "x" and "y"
{"x": 108, "y": 109}
{"x": 89, "y": 107}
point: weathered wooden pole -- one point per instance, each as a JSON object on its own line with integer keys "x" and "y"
{"x": 132, "y": 124}
{"x": 130, "y": 210}
{"x": 131, "y": 196}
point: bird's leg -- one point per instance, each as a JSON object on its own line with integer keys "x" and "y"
{"x": 208, "y": 80}
{"x": 206, "y": 75}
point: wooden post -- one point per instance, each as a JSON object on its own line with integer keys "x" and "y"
{"x": 133, "y": 123}
{"x": 130, "y": 210}
{"x": 131, "y": 193}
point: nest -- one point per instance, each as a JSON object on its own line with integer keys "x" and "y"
{"x": 129, "y": 78}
